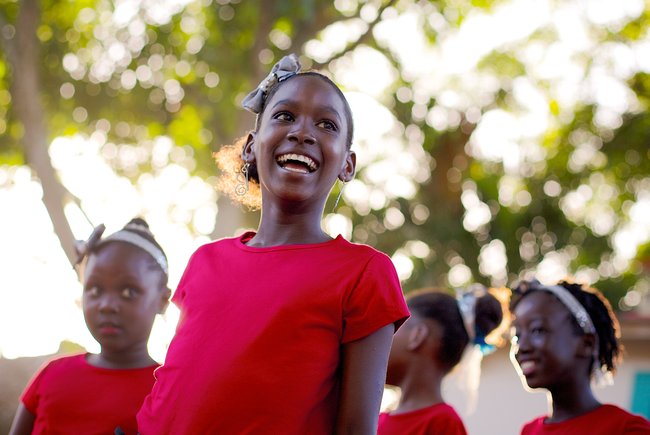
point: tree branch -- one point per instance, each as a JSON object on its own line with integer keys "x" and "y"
{"x": 7, "y": 43}
{"x": 27, "y": 104}
{"x": 362, "y": 39}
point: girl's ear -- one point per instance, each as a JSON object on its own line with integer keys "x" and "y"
{"x": 417, "y": 335}
{"x": 587, "y": 345}
{"x": 349, "y": 167}
{"x": 247, "y": 152}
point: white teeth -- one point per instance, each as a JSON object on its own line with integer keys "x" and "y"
{"x": 527, "y": 365}
{"x": 299, "y": 158}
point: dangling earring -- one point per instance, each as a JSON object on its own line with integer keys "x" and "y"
{"x": 242, "y": 180}
{"x": 339, "y": 195}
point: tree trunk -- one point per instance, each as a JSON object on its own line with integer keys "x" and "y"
{"x": 25, "y": 94}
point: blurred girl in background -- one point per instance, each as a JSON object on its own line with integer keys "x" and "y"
{"x": 124, "y": 280}
{"x": 431, "y": 343}
{"x": 565, "y": 336}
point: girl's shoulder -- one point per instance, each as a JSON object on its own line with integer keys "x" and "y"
{"x": 65, "y": 362}
{"x": 626, "y": 418}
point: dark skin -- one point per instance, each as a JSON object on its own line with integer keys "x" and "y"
{"x": 551, "y": 354}
{"x": 413, "y": 365}
{"x": 293, "y": 124}
{"x": 123, "y": 291}
{"x": 300, "y": 149}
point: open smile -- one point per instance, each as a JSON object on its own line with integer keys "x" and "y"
{"x": 527, "y": 367}
{"x": 299, "y": 163}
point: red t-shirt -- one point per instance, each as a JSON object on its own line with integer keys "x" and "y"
{"x": 439, "y": 419}
{"x": 604, "y": 420}
{"x": 258, "y": 344}
{"x": 69, "y": 396}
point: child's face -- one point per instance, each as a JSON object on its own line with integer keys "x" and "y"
{"x": 545, "y": 345}
{"x": 300, "y": 147}
{"x": 122, "y": 294}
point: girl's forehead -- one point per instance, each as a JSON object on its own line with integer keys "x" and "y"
{"x": 117, "y": 255}
{"x": 540, "y": 304}
{"x": 302, "y": 87}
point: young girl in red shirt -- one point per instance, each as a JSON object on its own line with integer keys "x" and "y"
{"x": 565, "y": 338}
{"x": 429, "y": 345}
{"x": 284, "y": 330}
{"x": 124, "y": 286}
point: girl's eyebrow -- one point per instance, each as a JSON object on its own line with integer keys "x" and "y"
{"x": 323, "y": 108}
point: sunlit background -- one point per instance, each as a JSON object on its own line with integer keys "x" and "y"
{"x": 495, "y": 140}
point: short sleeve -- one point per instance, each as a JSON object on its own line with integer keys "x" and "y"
{"x": 32, "y": 394}
{"x": 376, "y": 301}
{"x": 179, "y": 293}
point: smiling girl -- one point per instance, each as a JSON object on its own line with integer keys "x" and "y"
{"x": 565, "y": 337}
{"x": 124, "y": 287}
{"x": 284, "y": 330}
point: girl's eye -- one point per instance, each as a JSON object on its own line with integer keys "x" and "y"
{"x": 92, "y": 291}
{"x": 283, "y": 116}
{"x": 128, "y": 293}
{"x": 327, "y": 125}
{"x": 537, "y": 330}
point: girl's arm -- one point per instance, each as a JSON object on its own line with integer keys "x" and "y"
{"x": 23, "y": 422}
{"x": 364, "y": 364}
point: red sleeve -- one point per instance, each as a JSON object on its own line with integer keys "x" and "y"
{"x": 376, "y": 301}
{"x": 32, "y": 393}
{"x": 179, "y": 293}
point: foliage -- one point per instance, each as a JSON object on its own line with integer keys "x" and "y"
{"x": 134, "y": 73}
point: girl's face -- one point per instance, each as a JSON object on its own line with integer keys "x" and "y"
{"x": 300, "y": 147}
{"x": 122, "y": 294}
{"x": 545, "y": 345}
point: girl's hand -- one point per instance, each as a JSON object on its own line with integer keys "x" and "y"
{"x": 364, "y": 364}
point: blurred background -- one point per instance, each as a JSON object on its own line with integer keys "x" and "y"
{"x": 496, "y": 140}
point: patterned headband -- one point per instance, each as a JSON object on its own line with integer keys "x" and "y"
{"x": 286, "y": 67}
{"x": 574, "y": 306}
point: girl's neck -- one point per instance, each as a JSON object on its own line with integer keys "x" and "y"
{"x": 421, "y": 387}
{"x": 127, "y": 359}
{"x": 277, "y": 227}
{"x": 571, "y": 401}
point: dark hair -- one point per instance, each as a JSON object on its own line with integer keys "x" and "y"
{"x": 438, "y": 306}
{"x": 229, "y": 159}
{"x": 599, "y": 310}
{"x": 136, "y": 225}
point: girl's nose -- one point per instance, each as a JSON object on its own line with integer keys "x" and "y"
{"x": 109, "y": 303}
{"x": 301, "y": 133}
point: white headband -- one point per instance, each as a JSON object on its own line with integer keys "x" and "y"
{"x": 134, "y": 238}
{"x": 581, "y": 315}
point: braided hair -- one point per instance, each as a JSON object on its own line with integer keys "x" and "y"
{"x": 438, "y": 306}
